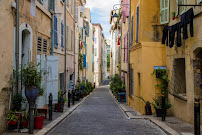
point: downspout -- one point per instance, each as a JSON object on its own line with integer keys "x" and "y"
{"x": 129, "y": 38}
{"x": 74, "y": 40}
{"x": 121, "y": 44}
{"x": 65, "y": 34}
{"x": 17, "y": 46}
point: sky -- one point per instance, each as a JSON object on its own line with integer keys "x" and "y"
{"x": 100, "y": 13}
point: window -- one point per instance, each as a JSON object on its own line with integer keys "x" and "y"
{"x": 72, "y": 40}
{"x": 180, "y": 9}
{"x": 164, "y": 11}
{"x": 67, "y": 3}
{"x": 137, "y": 25}
{"x": 178, "y": 80}
{"x": 62, "y": 37}
{"x": 77, "y": 12}
{"x": 45, "y": 42}
{"x": 67, "y": 37}
{"x": 55, "y": 31}
{"x": 39, "y": 44}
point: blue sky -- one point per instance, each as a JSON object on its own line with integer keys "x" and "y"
{"x": 100, "y": 13}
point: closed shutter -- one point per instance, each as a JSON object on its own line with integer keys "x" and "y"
{"x": 164, "y": 11}
{"x": 51, "y": 5}
{"x": 62, "y": 39}
{"x": 67, "y": 38}
{"x": 124, "y": 49}
{"x": 127, "y": 48}
{"x": 199, "y": 1}
{"x": 55, "y": 32}
{"x": 39, "y": 44}
{"x": 132, "y": 31}
{"x": 84, "y": 61}
{"x": 137, "y": 26}
{"x": 131, "y": 81}
{"x": 45, "y": 43}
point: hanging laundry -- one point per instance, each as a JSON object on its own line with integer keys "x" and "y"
{"x": 118, "y": 42}
{"x": 81, "y": 45}
{"x": 187, "y": 18}
{"x": 33, "y": 8}
{"x": 165, "y": 35}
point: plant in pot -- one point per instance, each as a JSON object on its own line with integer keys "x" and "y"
{"x": 116, "y": 84}
{"x": 173, "y": 15}
{"x": 158, "y": 105}
{"x": 38, "y": 121}
{"x": 11, "y": 118}
{"x": 31, "y": 79}
{"x": 40, "y": 101}
{"x": 25, "y": 121}
{"x": 148, "y": 110}
{"x": 161, "y": 76}
{"x": 17, "y": 101}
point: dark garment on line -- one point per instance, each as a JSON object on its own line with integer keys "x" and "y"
{"x": 179, "y": 42}
{"x": 165, "y": 35}
{"x": 172, "y": 30}
{"x": 187, "y": 18}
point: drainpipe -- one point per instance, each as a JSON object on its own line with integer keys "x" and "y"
{"x": 121, "y": 46}
{"x": 129, "y": 38}
{"x": 74, "y": 40}
{"x": 65, "y": 34}
{"x": 17, "y": 45}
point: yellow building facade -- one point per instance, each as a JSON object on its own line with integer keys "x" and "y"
{"x": 146, "y": 52}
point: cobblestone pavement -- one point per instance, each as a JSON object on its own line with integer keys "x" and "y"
{"x": 100, "y": 115}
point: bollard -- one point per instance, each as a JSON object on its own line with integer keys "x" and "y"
{"x": 73, "y": 96}
{"x": 50, "y": 106}
{"x": 163, "y": 108}
{"x": 61, "y": 103}
{"x": 94, "y": 85}
{"x": 31, "y": 120}
{"x": 197, "y": 117}
{"x": 69, "y": 95}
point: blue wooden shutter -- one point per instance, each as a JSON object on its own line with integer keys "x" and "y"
{"x": 84, "y": 61}
{"x": 51, "y": 5}
{"x": 55, "y": 31}
{"x": 62, "y": 43}
{"x": 137, "y": 26}
{"x": 131, "y": 81}
{"x": 132, "y": 31}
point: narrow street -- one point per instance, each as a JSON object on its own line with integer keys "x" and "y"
{"x": 100, "y": 114}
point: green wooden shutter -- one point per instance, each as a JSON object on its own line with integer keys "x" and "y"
{"x": 164, "y": 11}
{"x": 67, "y": 3}
{"x": 199, "y": 1}
{"x": 67, "y": 38}
{"x": 182, "y": 8}
{"x": 177, "y": 8}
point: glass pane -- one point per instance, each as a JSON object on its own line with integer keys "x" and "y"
{"x": 166, "y": 3}
{"x": 163, "y": 3}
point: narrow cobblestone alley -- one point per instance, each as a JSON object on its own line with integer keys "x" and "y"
{"x": 100, "y": 115}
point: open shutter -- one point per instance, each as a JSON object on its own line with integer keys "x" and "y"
{"x": 177, "y": 8}
{"x": 72, "y": 6}
{"x": 55, "y": 31}
{"x": 77, "y": 12}
{"x": 72, "y": 40}
{"x": 67, "y": 38}
{"x": 127, "y": 48}
{"x": 62, "y": 43}
{"x": 131, "y": 81}
{"x": 137, "y": 25}
{"x": 132, "y": 31}
{"x": 199, "y": 1}
{"x": 51, "y": 5}
{"x": 182, "y": 8}
{"x": 164, "y": 11}
{"x": 124, "y": 49}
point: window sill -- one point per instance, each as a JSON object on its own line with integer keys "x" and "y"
{"x": 179, "y": 96}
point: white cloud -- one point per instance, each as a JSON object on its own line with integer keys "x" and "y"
{"x": 100, "y": 11}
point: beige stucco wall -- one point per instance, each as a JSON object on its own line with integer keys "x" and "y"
{"x": 185, "y": 103}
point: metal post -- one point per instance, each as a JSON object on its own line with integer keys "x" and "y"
{"x": 17, "y": 45}
{"x": 197, "y": 117}
{"x": 50, "y": 107}
{"x": 73, "y": 96}
{"x": 31, "y": 120}
{"x": 163, "y": 108}
{"x": 69, "y": 98}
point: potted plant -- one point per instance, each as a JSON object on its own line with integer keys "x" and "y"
{"x": 40, "y": 101}
{"x": 31, "y": 79}
{"x": 17, "y": 101}
{"x": 25, "y": 121}
{"x": 12, "y": 118}
{"x": 173, "y": 15}
{"x": 158, "y": 106}
{"x": 38, "y": 121}
{"x": 147, "y": 106}
{"x": 116, "y": 84}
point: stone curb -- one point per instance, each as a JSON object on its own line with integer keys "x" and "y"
{"x": 158, "y": 123}
{"x": 55, "y": 122}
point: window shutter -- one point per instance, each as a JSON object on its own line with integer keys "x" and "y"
{"x": 72, "y": 40}
{"x": 199, "y": 1}
{"x": 72, "y": 6}
{"x": 55, "y": 31}
{"x": 77, "y": 12}
{"x": 51, "y": 5}
{"x": 182, "y": 8}
{"x": 62, "y": 43}
{"x": 67, "y": 38}
{"x": 124, "y": 49}
{"x": 164, "y": 11}
{"x": 127, "y": 48}
{"x": 131, "y": 81}
{"x": 39, "y": 43}
{"x": 67, "y": 3}
{"x": 177, "y": 8}
{"x": 132, "y": 31}
{"x": 45, "y": 42}
{"x": 137, "y": 26}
